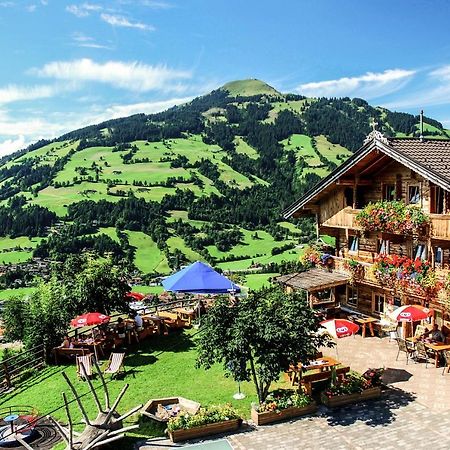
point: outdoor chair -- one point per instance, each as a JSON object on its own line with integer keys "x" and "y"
{"x": 446, "y": 355}
{"x": 87, "y": 362}
{"x": 115, "y": 364}
{"x": 403, "y": 348}
{"x": 423, "y": 353}
{"x": 389, "y": 329}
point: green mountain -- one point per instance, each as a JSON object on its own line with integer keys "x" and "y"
{"x": 205, "y": 180}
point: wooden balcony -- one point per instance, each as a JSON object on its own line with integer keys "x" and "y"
{"x": 440, "y": 223}
{"x": 343, "y": 219}
{"x": 340, "y": 266}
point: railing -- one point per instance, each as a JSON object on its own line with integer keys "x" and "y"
{"x": 440, "y": 223}
{"x": 13, "y": 369}
{"x": 345, "y": 218}
{"x": 340, "y": 266}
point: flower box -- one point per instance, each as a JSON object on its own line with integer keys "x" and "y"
{"x": 205, "y": 430}
{"x": 347, "y": 399}
{"x": 263, "y": 418}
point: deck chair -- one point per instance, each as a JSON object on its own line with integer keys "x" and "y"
{"x": 115, "y": 364}
{"x": 87, "y": 362}
{"x": 403, "y": 348}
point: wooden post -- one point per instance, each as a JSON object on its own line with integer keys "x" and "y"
{"x": 69, "y": 420}
{"x": 7, "y": 376}
{"x": 105, "y": 388}
{"x": 77, "y": 398}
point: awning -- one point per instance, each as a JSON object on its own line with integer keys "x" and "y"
{"x": 313, "y": 279}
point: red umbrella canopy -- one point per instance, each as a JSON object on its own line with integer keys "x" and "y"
{"x": 411, "y": 313}
{"x": 135, "y": 296}
{"x": 340, "y": 328}
{"x": 87, "y": 319}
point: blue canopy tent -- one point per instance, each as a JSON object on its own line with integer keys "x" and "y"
{"x": 199, "y": 278}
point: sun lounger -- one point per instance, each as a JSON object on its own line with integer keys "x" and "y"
{"x": 115, "y": 364}
{"x": 86, "y": 363}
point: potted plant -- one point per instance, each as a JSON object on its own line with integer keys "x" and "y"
{"x": 353, "y": 388}
{"x": 282, "y": 404}
{"x": 207, "y": 421}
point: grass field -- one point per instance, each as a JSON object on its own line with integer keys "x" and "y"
{"x": 148, "y": 257}
{"x": 176, "y": 242}
{"x": 301, "y": 145}
{"x": 17, "y": 292}
{"x": 248, "y": 88}
{"x": 255, "y": 281}
{"x": 331, "y": 151}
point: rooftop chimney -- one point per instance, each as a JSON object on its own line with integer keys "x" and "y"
{"x": 421, "y": 125}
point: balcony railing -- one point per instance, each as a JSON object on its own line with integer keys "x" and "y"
{"x": 440, "y": 223}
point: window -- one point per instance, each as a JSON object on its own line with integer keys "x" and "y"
{"x": 413, "y": 194}
{"x": 383, "y": 246}
{"x": 397, "y": 302}
{"x": 352, "y": 296}
{"x": 389, "y": 192}
{"x": 436, "y": 200}
{"x": 348, "y": 194}
{"x": 378, "y": 303}
{"x": 420, "y": 251}
{"x": 353, "y": 243}
{"x": 438, "y": 256}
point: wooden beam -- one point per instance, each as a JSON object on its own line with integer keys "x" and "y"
{"x": 370, "y": 166}
{"x": 351, "y": 182}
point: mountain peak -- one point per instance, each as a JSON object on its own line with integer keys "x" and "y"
{"x": 249, "y": 87}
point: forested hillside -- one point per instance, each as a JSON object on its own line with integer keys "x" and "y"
{"x": 206, "y": 180}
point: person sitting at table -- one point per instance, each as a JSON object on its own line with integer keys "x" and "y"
{"x": 66, "y": 342}
{"x": 139, "y": 324}
{"x": 120, "y": 328}
{"x": 435, "y": 334}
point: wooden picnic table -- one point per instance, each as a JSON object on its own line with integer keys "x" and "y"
{"x": 95, "y": 346}
{"x": 322, "y": 364}
{"x": 363, "y": 321}
{"x": 69, "y": 351}
{"x": 187, "y": 314}
{"x": 157, "y": 321}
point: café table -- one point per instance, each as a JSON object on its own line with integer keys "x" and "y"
{"x": 187, "y": 314}
{"x": 158, "y": 321}
{"x": 366, "y": 321}
{"x": 437, "y": 347}
{"x": 11, "y": 419}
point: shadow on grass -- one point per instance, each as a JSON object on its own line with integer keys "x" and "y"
{"x": 40, "y": 376}
{"x": 373, "y": 413}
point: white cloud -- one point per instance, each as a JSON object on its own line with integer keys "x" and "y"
{"x": 14, "y": 93}
{"x": 81, "y": 40}
{"x": 115, "y": 111}
{"x": 369, "y": 85}
{"x": 83, "y": 10}
{"x": 11, "y": 145}
{"x": 133, "y": 76}
{"x": 6, "y": 4}
{"x": 31, "y": 8}
{"x": 155, "y": 4}
{"x": 120, "y": 21}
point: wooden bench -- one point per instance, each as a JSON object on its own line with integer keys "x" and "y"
{"x": 68, "y": 352}
{"x": 309, "y": 378}
{"x": 173, "y": 320}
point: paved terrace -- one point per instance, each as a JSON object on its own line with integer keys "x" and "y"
{"x": 413, "y": 413}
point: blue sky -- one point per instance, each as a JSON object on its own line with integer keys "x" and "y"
{"x": 66, "y": 64}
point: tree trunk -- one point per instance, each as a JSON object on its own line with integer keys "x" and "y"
{"x": 255, "y": 380}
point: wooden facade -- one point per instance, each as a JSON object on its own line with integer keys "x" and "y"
{"x": 378, "y": 172}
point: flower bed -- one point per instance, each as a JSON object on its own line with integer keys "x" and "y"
{"x": 282, "y": 404}
{"x": 206, "y": 422}
{"x": 353, "y": 388}
{"x": 392, "y": 217}
{"x": 356, "y": 270}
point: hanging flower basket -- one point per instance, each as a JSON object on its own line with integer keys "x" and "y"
{"x": 356, "y": 269}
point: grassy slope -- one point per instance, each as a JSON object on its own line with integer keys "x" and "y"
{"x": 248, "y": 88}
{"x": 148, "y": 257}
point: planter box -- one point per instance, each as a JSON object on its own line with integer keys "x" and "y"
{"x": 263, "y": 418}
{"x": 341, "y": 400}
{"x": 205, "y": 430}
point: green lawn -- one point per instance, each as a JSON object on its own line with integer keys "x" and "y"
{"x": 17, "y": 292}
{"x": 331, "y": 151}
{"x": 160, "y": 367}
{"x": 255, "y": 281}
{"x": 301, "y": 145}
{"x": 245, "y": 149}
{"x": 176, "y": 242}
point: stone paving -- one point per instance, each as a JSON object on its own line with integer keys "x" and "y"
{"x": 414, "y": 412}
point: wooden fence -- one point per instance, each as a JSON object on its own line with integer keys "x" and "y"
{"x": 15, "y": 368}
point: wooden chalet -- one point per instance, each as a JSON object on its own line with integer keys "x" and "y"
{"x": 413, "y": 170}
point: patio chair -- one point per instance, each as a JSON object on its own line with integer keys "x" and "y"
{"x": 403, "y": 348}
{"x": 87, "y": 363}
{"x": 115, "y": 364}
{"x": 423, "y": 353}
{"x": 446, "y": 355}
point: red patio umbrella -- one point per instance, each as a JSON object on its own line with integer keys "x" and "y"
{"x": 340, "y": 328}
{"x": 94, "y": 318}
{"x": 135, "y": 296}
{"x": 411, "y": 313}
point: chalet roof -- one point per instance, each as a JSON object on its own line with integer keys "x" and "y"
{"x": 429, "y": 158}
{"x": 313, "y": 279}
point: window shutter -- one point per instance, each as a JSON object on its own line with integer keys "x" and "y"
{"x": 398, "y": 187}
